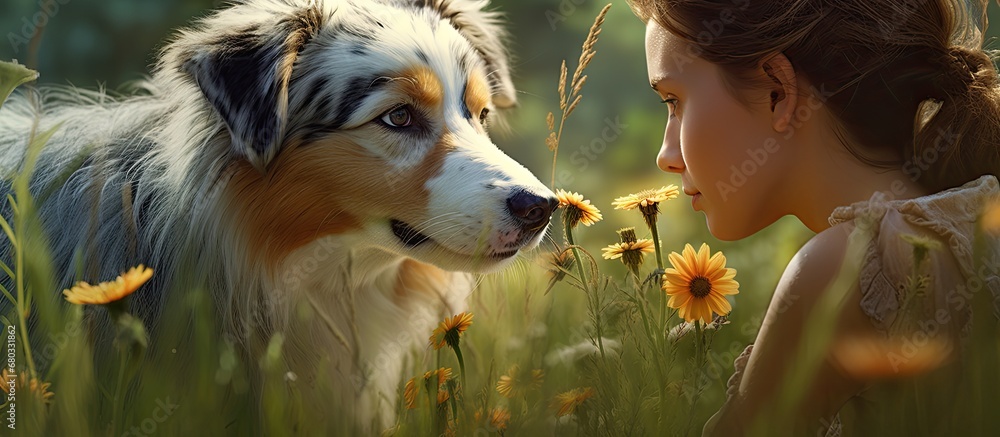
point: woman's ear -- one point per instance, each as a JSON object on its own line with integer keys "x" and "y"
{"x": 783, "y": 90}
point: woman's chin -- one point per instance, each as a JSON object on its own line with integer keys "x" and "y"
{"x": 728, "y": 231}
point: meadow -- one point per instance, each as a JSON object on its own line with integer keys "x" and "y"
{"x": 566, "y": 342}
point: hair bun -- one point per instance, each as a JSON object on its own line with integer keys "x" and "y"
{"x": 962, "y": 68}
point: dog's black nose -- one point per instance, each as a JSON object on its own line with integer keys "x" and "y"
{"x": 533, "y": 211}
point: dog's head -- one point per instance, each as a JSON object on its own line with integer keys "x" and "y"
{"x": 368, "y": 118}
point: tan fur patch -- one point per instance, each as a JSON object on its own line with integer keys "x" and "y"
{"x": 477, "y": 94}
{"x": 417, "y": 278}
{"x": 328, "y": 187}
{"x": 423, "y": 85}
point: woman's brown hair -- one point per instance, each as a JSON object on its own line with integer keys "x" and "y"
{"x": 882, "y": 67}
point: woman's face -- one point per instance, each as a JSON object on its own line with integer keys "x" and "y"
{"x": 728, "y": 155}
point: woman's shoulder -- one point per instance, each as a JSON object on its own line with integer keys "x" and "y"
{"x": 805, "y": 304}
{"x": 814, "y": 267}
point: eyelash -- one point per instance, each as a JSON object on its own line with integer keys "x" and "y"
{"x": 671, "y": 105}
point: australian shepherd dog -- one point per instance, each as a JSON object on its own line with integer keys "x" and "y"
{"x": 328, "y": 154}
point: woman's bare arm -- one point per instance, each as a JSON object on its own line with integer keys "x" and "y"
{"x": 799, "y": 291}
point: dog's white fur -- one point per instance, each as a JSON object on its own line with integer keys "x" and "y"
{"x": 255, "y": 165}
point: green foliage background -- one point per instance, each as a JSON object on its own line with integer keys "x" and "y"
{"x": 107, "y": 43}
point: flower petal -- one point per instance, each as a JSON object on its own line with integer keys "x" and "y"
{"x": 720, "y": 305}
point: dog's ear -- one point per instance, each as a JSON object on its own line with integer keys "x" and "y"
{"x": 484, "y": 30}
{"x": 245, "y": 76}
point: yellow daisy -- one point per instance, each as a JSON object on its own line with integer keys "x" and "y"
{"x": 631, "y": 253}
{"x": 578, "y": 210}
{"x": 410, "y": 393}
{"x": 443, "y": 374}
{"x": 443, "y": 394}
{"x": 620, "y": 250}
{"x": 107, "y": 292}
{"x": 568, "y": 402}
{"x": 519, "y": 383}
{"x": 450, "y": 329}
{"x": 647, "y": 201}
{"x": 698, "y": 284}
{"x": 37, "y": 388}
{"x": 646, "y": 198}
{"x": 499, "y": 417}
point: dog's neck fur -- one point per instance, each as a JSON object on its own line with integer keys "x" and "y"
{"x": 344, "y": 284}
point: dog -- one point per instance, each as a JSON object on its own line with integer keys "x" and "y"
{"x": 332, "y": 155}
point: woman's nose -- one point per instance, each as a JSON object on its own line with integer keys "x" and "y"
{"x": 669, "y": 159}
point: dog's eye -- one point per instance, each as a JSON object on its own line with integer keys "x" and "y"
{"x": 483, "y": 115}
{"x": 398, "y": 117}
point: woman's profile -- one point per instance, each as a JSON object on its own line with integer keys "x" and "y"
{"x": 879, "y": 116}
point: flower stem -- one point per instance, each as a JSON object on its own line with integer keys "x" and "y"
{"x": 586, "y": 286}
{"x": 700, "y": 342}
{"x": 461, "y": 363}
{"x": 699, "y": 351}
{"x": 116, "y": 402}
{"x": 656, "y": 246}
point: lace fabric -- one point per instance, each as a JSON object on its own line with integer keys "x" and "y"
{"x": 949, "y": 218}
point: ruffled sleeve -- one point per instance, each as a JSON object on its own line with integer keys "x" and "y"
{"x": 944, "y": 223}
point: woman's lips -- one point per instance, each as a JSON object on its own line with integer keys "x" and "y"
{"x": 695, "y": 196}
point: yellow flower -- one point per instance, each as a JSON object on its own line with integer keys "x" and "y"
{"x": 443, "y": 394}
{"x": 21, "y": 381}
{"x": 618, "y": 250}
{"x": 882, "y": 358}
{"x": 990, "y": 220}
{"x": 450, "y": 329}
{"x": 410, "y": 393}
{"x": 518, "y": 383}
{"x": 630, "y": 252}
{"x": 443, "y": 374}
{"x": 698, "y": 284}
{"x": 568, "y": 402}
{"x": 107, "y": 292}
{"x": 648, "y": 202}
{"x": 499, "y": 418}
{"x": 646, "y": 198}
{"x": 578, "y": 210}
{"x": 556, "y": 262}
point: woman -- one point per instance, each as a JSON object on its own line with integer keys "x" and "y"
{"x": 873, "y": 120}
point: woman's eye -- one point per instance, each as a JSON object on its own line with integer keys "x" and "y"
{"x": 483, "y": 115}
{"x": 671, "y": 106}
{"x": 399, "y": 117}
